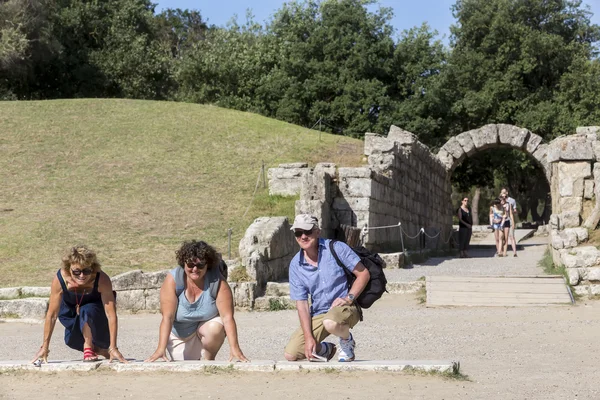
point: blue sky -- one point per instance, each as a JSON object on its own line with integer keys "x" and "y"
{"x": 407, "y": 13}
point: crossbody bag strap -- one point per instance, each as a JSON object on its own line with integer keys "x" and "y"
{"x": 347, "y": 272}
{"x": 349, "y": 275}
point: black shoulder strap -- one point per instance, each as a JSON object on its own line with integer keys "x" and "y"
{"x": 337, "y": 259}
{"x": 62, "y": 281}
{"x": 95, "y": 289}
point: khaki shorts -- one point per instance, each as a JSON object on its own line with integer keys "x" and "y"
{"x": 189, "y": 348}
{"x": 341, "y": 314}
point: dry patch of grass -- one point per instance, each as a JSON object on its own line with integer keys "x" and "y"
{"x": 133, "y": 179}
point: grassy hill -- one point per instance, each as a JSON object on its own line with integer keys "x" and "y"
{"x": 133, "y": 179}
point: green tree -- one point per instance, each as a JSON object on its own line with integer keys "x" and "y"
{"x": 509, "y": 57}
{"x": 26, "y": 41}
{"x": 332, "y": 62}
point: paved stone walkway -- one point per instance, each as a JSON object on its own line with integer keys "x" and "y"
{"x": 482, "y": 262}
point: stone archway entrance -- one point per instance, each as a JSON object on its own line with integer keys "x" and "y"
{"x": 455, "y": 150}
{"x": 502, "y": 136}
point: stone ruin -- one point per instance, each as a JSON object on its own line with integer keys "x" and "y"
{"x": 404, "y": 182}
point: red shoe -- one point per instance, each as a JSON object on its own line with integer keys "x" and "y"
{"x": 89, "y": 355}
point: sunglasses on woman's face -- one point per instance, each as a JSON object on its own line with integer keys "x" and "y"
{"x": 301, "y": 232}
{"x": 199, "y": 265}
{"x": 85, "y": 272}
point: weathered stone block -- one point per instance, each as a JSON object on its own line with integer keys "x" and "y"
{"x": 152, "y": 299}
{"x": 582, "y": 234}
{"x": 485, "y": 137}
{"x": 377, "y": 143}
{"x": 571, "y": 204}
{"x": 382, "y": 161}
{"x": 154, "y": 280}
{"x": 571, "y": 176}
{"x": 466, "y": 141}
{"x": 10, "y": 293}
{"x": 131, "y": 299}
{"x": 569, "y": 237}
{"x": 243, "y": 293}
{"x": 446, "y": 159}
{"x": 24, "y": 308}
{"x": 554, "y": 221}
{"x": 286, "y": 181}
{"x": 533, "y": 142}
{"x": 453, "y": 147}
{"x": 594, "y": 290}
{"x": 345, "y": 173}
{"x": 35, "y": 291}
{"x": 393, "y": 260}
{"x": 593, "y": 274}
{"x": 596, "y": 149}
{"x": 582, "y": 290}
{"x": 295, "y": 165}
{"x": 512, "y": 135}
{"x": 556, "y": 240}
{"x": 586, "y": 130}
{"x": 357, "y": 187}
{"x": 569, "y": 219}
{"x": 588, "y": 188}
{"x": 570, "y": 148}
{"x": 271, "y": 236}
{"x": 573, "y": 274}
{"x": 351, "y": 203}
{"x": 128, "y": 280}
{"x": 401, "y": 136}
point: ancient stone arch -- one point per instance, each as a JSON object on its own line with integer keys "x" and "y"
{"x": 406, "y": 187}
{"x": 455, "y": 150}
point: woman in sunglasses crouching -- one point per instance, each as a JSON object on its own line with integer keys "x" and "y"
{"x": 197, "y": 308}
{"x": 82, "y": 299}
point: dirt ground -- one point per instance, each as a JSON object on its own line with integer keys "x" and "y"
{"x": 505, "y": 353}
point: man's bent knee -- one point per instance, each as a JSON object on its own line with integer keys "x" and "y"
{"x": 330, "y": 325}
{"x": 290, "y": 357}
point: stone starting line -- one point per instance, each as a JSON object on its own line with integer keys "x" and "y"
{"x": 443, "y": 367}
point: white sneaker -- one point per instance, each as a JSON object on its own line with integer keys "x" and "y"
{"x": 346, "y": 353}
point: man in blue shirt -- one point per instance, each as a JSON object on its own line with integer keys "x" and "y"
{"x": 315, "y": 271}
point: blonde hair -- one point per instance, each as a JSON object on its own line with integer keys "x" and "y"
{"x": 82, "y": 256}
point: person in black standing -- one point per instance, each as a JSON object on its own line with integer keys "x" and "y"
{"x": 465, "y": 227}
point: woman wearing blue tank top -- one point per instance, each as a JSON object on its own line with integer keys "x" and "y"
{"x": 82, "y": 299}
{"x": 197, "y": 308}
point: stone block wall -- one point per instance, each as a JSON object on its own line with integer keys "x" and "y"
{"x": 575, "y": 186}
{"x": 286, "y": 180}
{"x": 403, "y": 183}
{"x": 140, "y": 291}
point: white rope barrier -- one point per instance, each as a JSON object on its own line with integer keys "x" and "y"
{"x": 365, "y": 230}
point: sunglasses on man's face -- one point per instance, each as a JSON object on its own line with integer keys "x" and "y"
{"x": 85, "y": 272}
{"x": 192, "y": 265}
{"x": 301, "y": 232}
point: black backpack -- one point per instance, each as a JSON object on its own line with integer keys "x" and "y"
{"x": 372, "y": 262}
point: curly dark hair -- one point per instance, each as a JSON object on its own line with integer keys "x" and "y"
{"x": 197, "y": 249}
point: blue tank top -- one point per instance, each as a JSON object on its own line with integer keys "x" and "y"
{"x": 189, "y": 315}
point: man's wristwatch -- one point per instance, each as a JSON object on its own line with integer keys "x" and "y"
{"x": 351, "y": 297}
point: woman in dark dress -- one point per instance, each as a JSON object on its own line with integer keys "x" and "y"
{"x": 82, "y": 299}
{"x": 465, "y": 227}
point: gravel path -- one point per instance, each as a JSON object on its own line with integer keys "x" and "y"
{"x": 482, "y": 262}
